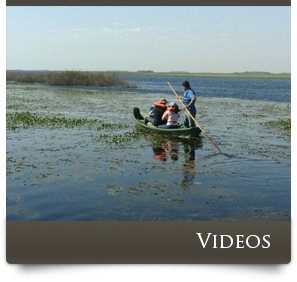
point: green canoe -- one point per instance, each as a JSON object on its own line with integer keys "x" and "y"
{"x": 179, "y": 132}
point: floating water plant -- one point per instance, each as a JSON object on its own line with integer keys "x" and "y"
{"x": 120, "y": 138}
{"x": 284, "y": 124}
{"x": 27, "y": 119}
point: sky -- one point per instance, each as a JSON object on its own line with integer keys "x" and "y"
{"x": 194, "y": 39}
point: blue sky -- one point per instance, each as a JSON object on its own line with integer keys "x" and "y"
{"x": 196, "y": 39}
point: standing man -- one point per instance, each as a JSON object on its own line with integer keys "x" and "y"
{"x": 189, "y": 99}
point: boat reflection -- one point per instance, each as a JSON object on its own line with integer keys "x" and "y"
{"x": 189, "y": 163}
{"x": 166, "y": 150}
{"x": 169, "y": 149}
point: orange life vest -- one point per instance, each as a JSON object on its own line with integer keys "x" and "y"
{"x": 160, "y": 105}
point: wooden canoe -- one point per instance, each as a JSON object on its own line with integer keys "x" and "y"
{"x": 178, "y": 132}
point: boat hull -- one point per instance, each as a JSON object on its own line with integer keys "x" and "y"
{"x": 178, "y": 132}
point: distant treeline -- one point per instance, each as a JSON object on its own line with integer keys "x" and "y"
{"x": 247, "y": 74}
{"x": 67, "y": 78}
{"x": 145, "y": 71}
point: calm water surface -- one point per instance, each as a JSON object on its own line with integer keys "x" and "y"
{"x": 240, "y": 88}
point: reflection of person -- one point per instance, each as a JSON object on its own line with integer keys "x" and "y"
{"x": 157, "y": 112}
{"x": 189, "y": 99}
{"x": 170, "y": 116}
{"x": 171, "y": 149}
{"x": 166, "y": 150}
{"x": 159, "y": 154}
{"x": 189, "y": 165}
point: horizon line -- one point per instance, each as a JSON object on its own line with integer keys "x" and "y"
{"x": 152, "y": 71}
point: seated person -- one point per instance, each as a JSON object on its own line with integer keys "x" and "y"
{"x": 171, "y": 116}
{"x": 157, "y": 112}
{"x": 151, "y": 112}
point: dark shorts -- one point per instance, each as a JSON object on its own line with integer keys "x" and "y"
{"x": 154, "y": 121}
{"x": 168, "y": 126}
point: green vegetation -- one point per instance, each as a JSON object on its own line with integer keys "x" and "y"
{"x": 177, "y": 200}
{"x": 113, "y": 189}
{"x": 28, "y": 88}
{"x": 284, "y": 124}
{"x": 111, "y": 126}
{"x": 212, "y": 75}
{"x": 67, "y": 78}
{"x": 124, "y": 138}
{"x": 27, "y": 119}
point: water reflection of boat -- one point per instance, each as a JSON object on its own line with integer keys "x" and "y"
{"x": 172, "y": 148}
{"x": 189, "y": 163}
{"x": 165, "y": 150}
{"x": 179, "y": 132}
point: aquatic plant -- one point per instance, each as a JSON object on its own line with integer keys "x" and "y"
{"x": 120, "y": 138}
{"x": 112, "y": 126}
{"x": 27, "y": 119}
{"x": 114, "y": 189}
{"x": 68, "y": 78}
{"x": 284, "y": 124}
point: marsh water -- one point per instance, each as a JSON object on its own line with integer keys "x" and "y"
{"x": 119, "y": 172}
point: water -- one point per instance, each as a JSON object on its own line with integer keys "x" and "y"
{"x": 259, "y": 89}
{"x": 278, "y": 90}
{"x": 73, "y": 174}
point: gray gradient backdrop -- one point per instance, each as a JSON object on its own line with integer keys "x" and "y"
{"x": 93, "y": 273}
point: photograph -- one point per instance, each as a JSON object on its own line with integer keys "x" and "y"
{"x": 148, "y": 113}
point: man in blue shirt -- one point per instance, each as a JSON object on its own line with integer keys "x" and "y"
{"x": 189, "y": 99}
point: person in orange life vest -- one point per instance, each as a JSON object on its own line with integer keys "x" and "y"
{"x": 171, "y": 116}
{"x": 157, "y": 113}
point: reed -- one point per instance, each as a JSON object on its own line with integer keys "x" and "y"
{"x": 68, "y": 78}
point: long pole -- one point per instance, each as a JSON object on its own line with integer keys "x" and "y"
{"x": 196, "y": 122}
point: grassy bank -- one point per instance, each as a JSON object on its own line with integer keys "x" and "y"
{"x": 212, "y": 75}
{"x": 67, "y": 78}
